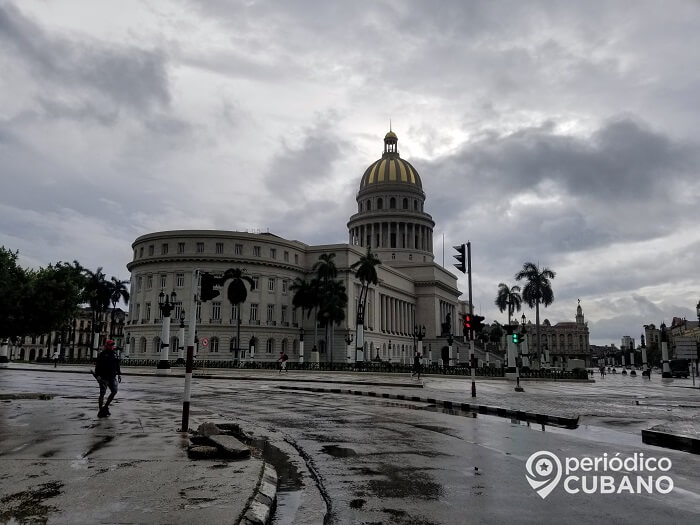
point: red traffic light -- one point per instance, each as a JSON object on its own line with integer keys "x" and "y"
{"x": 468, "y": 321}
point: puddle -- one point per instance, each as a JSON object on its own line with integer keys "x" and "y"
{"x": 339, "y": 452}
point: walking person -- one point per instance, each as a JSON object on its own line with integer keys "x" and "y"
{"x": 55, "y": 359}
{"x": 416, "y": 365}
{"x": 283, "y": 362}
{"x": 108, "y": 375}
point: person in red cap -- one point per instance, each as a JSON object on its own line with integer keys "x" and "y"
{"x": 108, "y": 375}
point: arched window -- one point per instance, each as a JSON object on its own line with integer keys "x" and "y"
{"x": 392, "y": 203}
{"x": 284, "y": 345}
{"x": 380, "y": 203}
{"x": 214, "y": 344}
{"x": 270, "y": 345}
{"x": 156, "y": 344}
{"x": 415, "y": 205}
{"x": 369, "y": 205}
{"x": 142, "y": 345}
{"x": 405, "y": 204}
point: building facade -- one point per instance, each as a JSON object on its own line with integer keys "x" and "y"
{"x": 412, "y": 290}
{"x": 564, "y": 340}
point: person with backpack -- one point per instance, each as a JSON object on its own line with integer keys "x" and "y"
{"x": 283, "y": 362}
{"x": 108, "y": 375}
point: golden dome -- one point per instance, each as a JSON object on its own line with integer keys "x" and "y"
{"x": 391, "y": 168}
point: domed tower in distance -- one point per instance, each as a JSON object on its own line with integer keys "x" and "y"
{"x": 390, "y": 217}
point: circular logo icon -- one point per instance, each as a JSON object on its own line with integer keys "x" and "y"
{"x": 543, "y": 472}
{"x": 204, "y": 341}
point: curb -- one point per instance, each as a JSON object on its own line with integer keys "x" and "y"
{"x": 298, "y": 379}
{"x": 544, "y": 419}
{"x": 259, "y": 511}
{"x": 666, "y": 440}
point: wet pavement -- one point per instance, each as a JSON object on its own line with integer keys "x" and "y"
{"x": 347, "y": 459}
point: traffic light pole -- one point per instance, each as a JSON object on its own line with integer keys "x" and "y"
{"x": 190, "y": 356}
{"x": 471, "y": 312}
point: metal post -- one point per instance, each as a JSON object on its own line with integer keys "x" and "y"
{"x": 473, "y": 367}
{"x": 301, "y": 346}
{"x": 190, "y": 356}
{"x": 181, "y": 342}
{"x": 666, "y": 366}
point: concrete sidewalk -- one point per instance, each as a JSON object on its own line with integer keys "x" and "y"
{"x": 61, "y": 464}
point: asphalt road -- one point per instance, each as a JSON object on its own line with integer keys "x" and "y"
{"x": 357, "y": 460}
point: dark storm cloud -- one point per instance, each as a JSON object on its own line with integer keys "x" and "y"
{"x": 307, "y": 168}
{"x": 119, "y": 76}
{"x": 584, "y": 191}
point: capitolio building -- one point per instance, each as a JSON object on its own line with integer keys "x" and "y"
{"x": 413, "y": 291}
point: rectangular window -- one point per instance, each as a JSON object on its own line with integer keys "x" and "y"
{"x": 256, "y": 251}
{"x": 271, "y": 284}
{"x": 181, "y": 247}
{"x": 135, "y": 252}
{"x": 163, "y": 280}
{"x": 176, "y": 313}
{"x": 256, "y": 283}
{"x": 139, "y": 282}
{"x": 138, "y": 312}
{"x": 164, "y": 249}
{"x": 141, "y": 251}
{"x": 238, "y": 249}
{"x": 270, "y": 312}
{"x": 273, "y": 253}
{"x": 296, "y": 258}
{"x": 284, "y": 314}
{"x": 151, "y": 249}
{"x": 286, "y": 256}
{"x": 216, "y": 311}
{"x": 253, "y": 312}
{"x": 234, "y": 312}
{"x": 180, "y": 280}
{"x": 294, "y": 315}
{"x": 219, "y": 247}
{"x": 200, "y": 247}
{"x": 148, "y": 311}
{"x": 284, "y": 286}
{"x": 160, "y": 314}
{"x": 149, "y": 282}
{"x": 214, "y": 344}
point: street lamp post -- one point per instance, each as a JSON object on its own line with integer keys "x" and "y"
{"x": 348, "y": 342}
{"x": 181, "y": 339}
{"x": 390, "y": 354}
{"x": 665, "y": 364}
{"x": 450, "y": 341}
{"x": 518, "y": 358}
{"x": 166, "y": 303}
{"x": 360, "y": 334}
{"x": 301, "y": 345}
{"x": 419, "y": 333}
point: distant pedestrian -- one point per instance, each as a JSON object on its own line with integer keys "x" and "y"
{"x": 283, "y": 362}
{"x": 55, "y": 359}
{"x": 108, "y": 375}
{"x": 416, "y": 365}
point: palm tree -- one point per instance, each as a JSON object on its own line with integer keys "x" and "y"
{"x": 508, "y": 297}
{"x": 325, "y": 267}
{"x": 97, "y": 295}
{"x": 331, "y": 310}
{"x": 305, "y": 297}
{"x": 237, "y": 293}
{"x": 118, "y": 291}
{"x": 366, "y": 271}
{"x": 537, "y": 290}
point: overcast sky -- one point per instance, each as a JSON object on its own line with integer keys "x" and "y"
{"x": 564, "y": 133}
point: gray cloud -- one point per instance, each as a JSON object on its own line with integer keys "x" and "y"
{"x": 90, "y": 73}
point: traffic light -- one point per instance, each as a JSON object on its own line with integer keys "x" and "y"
{"x": 517, "y": 339}
{"x": 467, "y": 326}
{"x": 478, "y": 322}
{"x": 208, "y": 292}
{"x": 461, "y": 257}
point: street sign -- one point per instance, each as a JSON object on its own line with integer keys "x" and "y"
{"x": 204, "y": 341}
{"x": 686, "y": 348}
